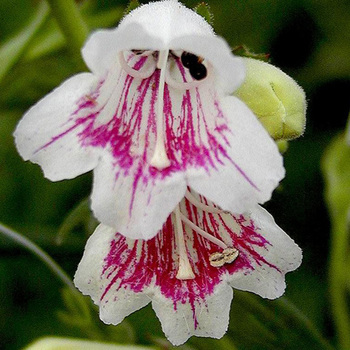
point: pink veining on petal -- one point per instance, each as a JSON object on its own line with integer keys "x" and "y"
{"x": 143, "y": 264}
{"x": 195, "y": 135}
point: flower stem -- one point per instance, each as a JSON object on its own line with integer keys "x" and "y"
{"x": 338, "y": 288}
{"x": 70, "y": 22}
{"x": 39, "y": 253}
{"x": 336, "y": 170}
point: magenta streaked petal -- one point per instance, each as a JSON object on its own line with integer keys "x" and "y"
{"x": 212, "y": 315}
{"x": 87, "y": 279}
{"x": 282, "y": 255}
{"x": 212, "y": 143}
{"x": 250, "y": 165}
{"x": 119, "y": 116}
{"x": 138, "y": 204}
{"x": 47, "y": 134}
{"x": 115, "y": 267}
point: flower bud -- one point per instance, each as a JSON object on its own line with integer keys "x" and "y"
{"x": 275, "y": 98}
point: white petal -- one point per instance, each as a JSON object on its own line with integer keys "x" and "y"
{"x": 136, "y": 205}
{"x": 48, "y": 121}
{"x": 90, "y": 280}
{"x": 212, "y": 315}
{"x": 168, "y": 20}
{"x": 159, "y": 26}
{"x": 282, "y": 254}
{"x": 100, "y": 51}
{"x": 251, "y": 169}
{"x": 150, "y": 26}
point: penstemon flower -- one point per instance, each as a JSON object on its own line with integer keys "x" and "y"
{"x": 154, "y": 117}
{"x": 188, "y": 269}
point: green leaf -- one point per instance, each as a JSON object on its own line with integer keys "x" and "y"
{"x": 12, "y": 50}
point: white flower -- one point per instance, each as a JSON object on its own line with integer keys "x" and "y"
{"x": 187, "y": 270}
{"x": 154, "y": 117}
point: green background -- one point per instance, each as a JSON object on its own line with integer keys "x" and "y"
{"x": 309, "y": 40}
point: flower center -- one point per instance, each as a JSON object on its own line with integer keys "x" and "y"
{"x": 174, "y": 68}
{"x": 217, "y": 259}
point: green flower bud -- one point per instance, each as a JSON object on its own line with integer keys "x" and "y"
{"x": 275, "y": 98}
{"x": 56, "y": 343}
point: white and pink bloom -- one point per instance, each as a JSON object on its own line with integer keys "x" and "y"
{"x": 157, "y": 123}
{"x": 155, "y": 116}
{"x": 189, "y": 268}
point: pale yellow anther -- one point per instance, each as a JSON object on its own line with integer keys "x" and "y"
{"x": 217, "y": 259}
{"x": 228, "y": 256}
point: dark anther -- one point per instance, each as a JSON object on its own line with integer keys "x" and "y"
{"x": 138, "y": 52}
{"x": 189, "y": 59}
{"x": 198, "y": 71}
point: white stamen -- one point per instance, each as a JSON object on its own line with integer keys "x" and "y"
{"x": 133, "y": 72}
{"x": 185, "y": 271}
{"x": 203, "y": 233}
{"x": 209, "y": 209}
{"x": 160, "y": 159}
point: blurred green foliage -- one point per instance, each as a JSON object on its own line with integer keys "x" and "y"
{"x": 336, "y": 168}
{"x": 308, "y": 39}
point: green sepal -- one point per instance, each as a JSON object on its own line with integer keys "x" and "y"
{"x": 244, "y": 51}
{"x": 203, "y": 9}
{"x": 133, "y": 4}
{"x": 282, "y": 146}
